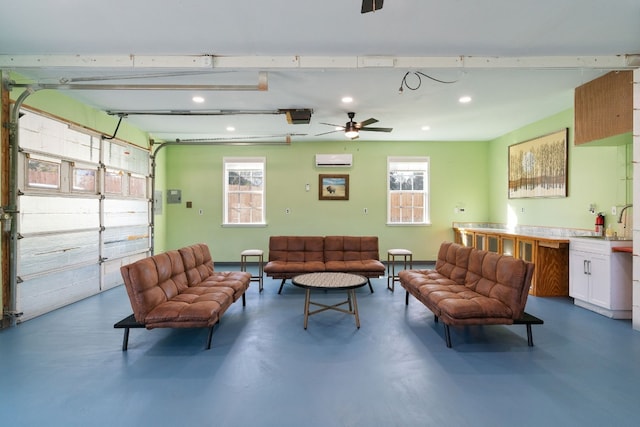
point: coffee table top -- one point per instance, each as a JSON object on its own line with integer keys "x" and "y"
{"x": 329, "y": 280}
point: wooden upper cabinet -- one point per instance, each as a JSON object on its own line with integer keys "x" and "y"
{"x": 604, "y": 107}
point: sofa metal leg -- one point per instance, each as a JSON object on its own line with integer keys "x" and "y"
{"x": 281, "y": 285}
{"x": 435, "y": 318}
{"x": 126, "y": 324}
{"x": 125, "y": 340}
{"x": 209, "y": 337}
{"x": 406, "y": 298}
{"x": 369, "y": 282}
{"x": 529, "y": 335}
{"x": 447, "y": 335}
{"x": 528, "y": 320}
{"x": 244, "y": 300}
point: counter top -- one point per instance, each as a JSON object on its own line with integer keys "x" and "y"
{"x": 503, "y": 231}
{"x": 556, "y": 234}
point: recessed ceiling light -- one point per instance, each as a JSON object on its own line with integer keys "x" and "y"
{"x": 426, "y": 128}
{"x": 464, "y": 99}
{"x": 230, "y": 128}
{"x": 347, "y": 99}
{"x": 198, "y": 99}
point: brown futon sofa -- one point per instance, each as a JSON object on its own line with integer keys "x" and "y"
{"x": 473, "y": 287}
{"x": 180, "y": 289}
{"x": 290, "y": 256}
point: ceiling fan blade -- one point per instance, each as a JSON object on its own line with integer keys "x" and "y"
{"x": 367, "y": 122}
{"x": 377, "y": 129}
{"x": 331, "y": 124}
{"x": 331, "y": 131}
{"x": 371, "y": 5}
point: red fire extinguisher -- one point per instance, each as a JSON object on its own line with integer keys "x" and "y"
{"x": 600, "y": 224}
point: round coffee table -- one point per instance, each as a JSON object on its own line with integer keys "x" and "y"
{"x": 328, "y": 281}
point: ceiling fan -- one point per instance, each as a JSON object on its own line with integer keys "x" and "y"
{"x": 351, "y": 129}
{"x": 371, "y": 5}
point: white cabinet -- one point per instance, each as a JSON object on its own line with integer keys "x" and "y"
{"x": 599, "y": 278}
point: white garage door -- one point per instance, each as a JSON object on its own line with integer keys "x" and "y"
{"x": 84, "y": 211}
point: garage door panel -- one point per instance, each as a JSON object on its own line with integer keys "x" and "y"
{"x": 41, "y": 253}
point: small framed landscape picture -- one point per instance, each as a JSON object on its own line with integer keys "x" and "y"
{"x": 333, "y": 187}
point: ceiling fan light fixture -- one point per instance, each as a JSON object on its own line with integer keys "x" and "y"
{"x": 350, "y": 130}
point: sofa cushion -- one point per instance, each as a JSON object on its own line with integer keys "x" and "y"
{"x": 198, "y": 264}
{"x": 452, "y": 261}
{"x": 468, "y": 307}
{"x": 296, "y": 248}
{"x": 279, "y": 269}
{"x": 198, "y": 307}
{"x": 142, "y": 280}
{"x": 365, "y": 267}
{"x": 235, "y": 281}
{"x": 350, "y": 248}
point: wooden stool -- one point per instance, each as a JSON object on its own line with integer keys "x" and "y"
{"x": 243, "y": 264}
{"x": 391, "y": 265}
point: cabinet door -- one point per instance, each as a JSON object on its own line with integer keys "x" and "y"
{"x": 579, "y": 275}
{"x": 508, "y": 245}
{"x": 481, "y": 241}
{"x": 493, "y": 243}
{"x": 599, "y": 281}
{"x": 525, "y": 250}
{"x": 463, "y": 237}
{"x": 468, "y": 240}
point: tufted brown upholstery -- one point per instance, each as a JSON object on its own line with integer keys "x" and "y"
{"x": 290, "y": 256}
{"x": 180, "y": 289}
{"x": 471, "y": 287}
{"x": 293, "y": 255}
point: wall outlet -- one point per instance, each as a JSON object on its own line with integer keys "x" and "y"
{"x": 614, "y": 210}
{"x": 287, "y": 211}
{"x": 199, "y": 211}
{"x": 365, "y": 211}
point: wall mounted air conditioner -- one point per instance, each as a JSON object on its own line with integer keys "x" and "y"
{"x": 334, "y": 160}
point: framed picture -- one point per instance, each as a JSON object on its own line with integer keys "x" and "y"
{"x": 538, "y": 167}
{"x": 333, "y": 187}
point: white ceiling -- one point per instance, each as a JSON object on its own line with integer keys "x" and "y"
{"x": 518, "y": 60}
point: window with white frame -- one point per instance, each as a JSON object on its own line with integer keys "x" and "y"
{"x": 408, "y": 190}
{"x": 244, "y": 190}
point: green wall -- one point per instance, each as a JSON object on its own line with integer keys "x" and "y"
{"x": 464, "y": 174}
{"x": 458, "y": 179}
{"x": 470, "y": 175}
{"x": 598, "y": 173}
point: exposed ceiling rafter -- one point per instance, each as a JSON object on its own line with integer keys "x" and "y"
{"x": 212, "y": 62}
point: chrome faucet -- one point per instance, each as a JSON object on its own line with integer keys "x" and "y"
{"x": 624, "y": 208}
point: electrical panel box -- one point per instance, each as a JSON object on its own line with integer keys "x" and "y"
{"x": 157, "y": 202}
{"x": 174, "y": 196}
